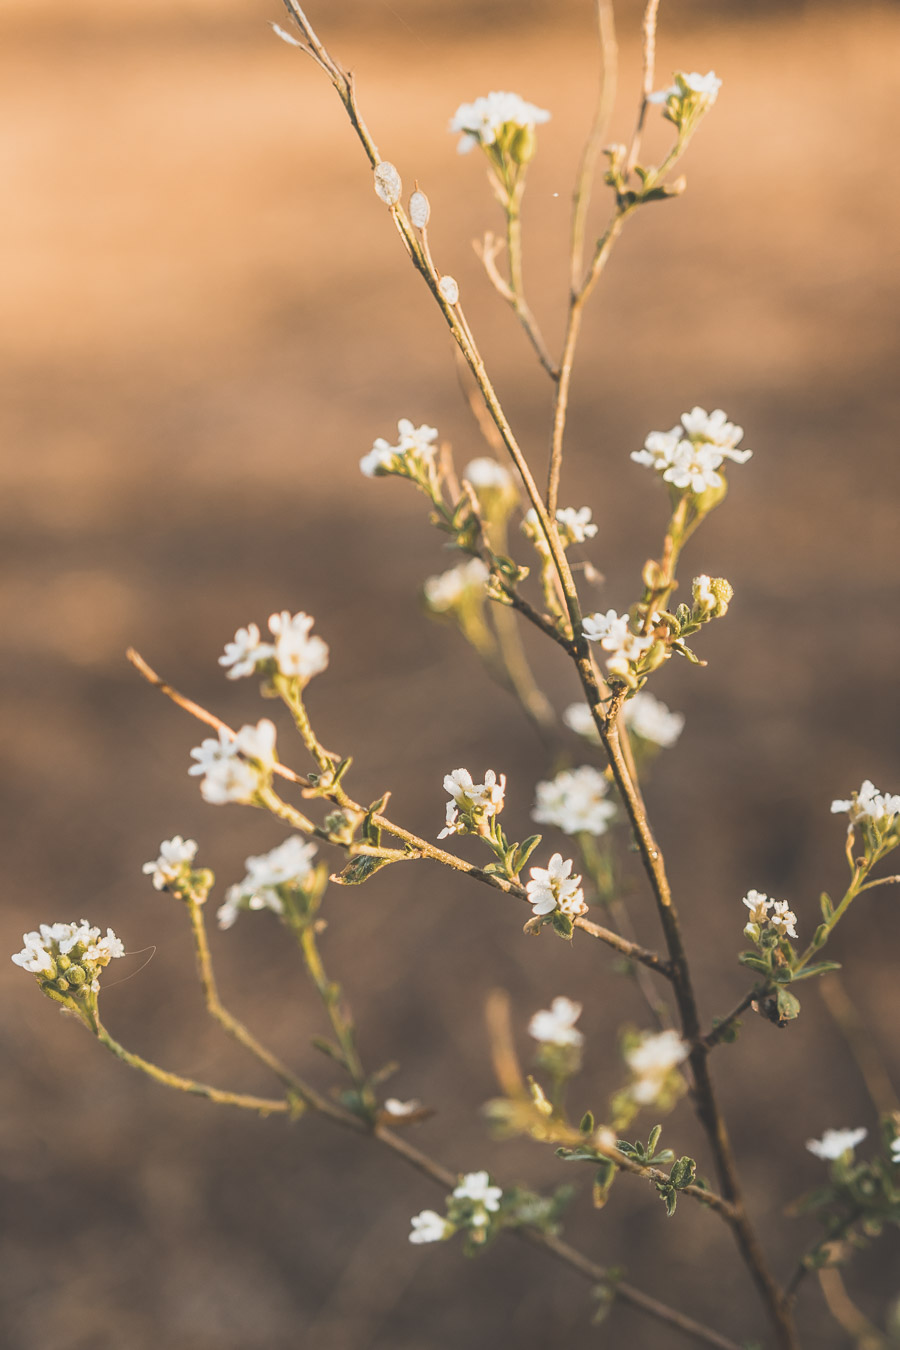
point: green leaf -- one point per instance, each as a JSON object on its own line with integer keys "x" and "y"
{"x": 653, "y": 1140}
{"x": 522, "y": 852}
{"x": 359, "y": 869}
{"x": 370, "y": 830}
{"x": 603, "y": 1180}
{"x": 580, "y": 1154}
{"x": 820, "y": 968}
{"x": 788, "y": 1005}
{"x": 755, "y": 963}
{"x": 827, "y": 905}
{"x": 332, "y": 1051}
{"x": 683, "y": 1173}
{"x": 562, "y": 924}
{"x": 587, "y": 1123}
{"x": 630, "y": 1150}
{"x": 820, "y": 936}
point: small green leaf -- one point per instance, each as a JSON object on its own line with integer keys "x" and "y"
{"x": 522, "y": 852}
{"x": 827, "y": 905}
{"x": 332, "y": 1051}
{"x": 359, "y": 869}
{"x": 653, "y": 1140}
{"x": 820, "y": 968}
{"x": 603, "y": 1180}
{"x": 820, "y": 936}
{"x": 755, "y": 963}
{"x": 562, "y": 924}
{"x": 683, "y": 1173}
{"x": 787, "y": 1004}
{"x": 587, "y": 1123}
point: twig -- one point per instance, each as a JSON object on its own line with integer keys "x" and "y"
{"x": 581, "y": 200}
{"x": 649, "y": 65}
{"x": 721, "y": 1029}
{"x": 422, "y": 848}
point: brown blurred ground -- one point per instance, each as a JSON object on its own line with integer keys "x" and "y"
{"x": 207, "y": 320}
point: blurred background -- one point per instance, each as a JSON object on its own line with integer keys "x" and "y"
{"x": 207, "y": 321}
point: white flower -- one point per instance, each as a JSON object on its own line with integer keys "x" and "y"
{"x": 556, "y": 1026}
{"x": 715, "y": 429}
{"x": 552, "y": 887}
{"x": 246, "y": 652}
{"x": 579, "y": 718}
{"x": 227, "y": 777}
{"x": 659, "y": 449}
{"x": 174, "y": 855}
{"x": 609, "y": 629}
{"x": 476, "y": 802}
{"x": 34, "y": 956}
{"x": 394, "y": 1107}
{"x": 700, "y": 89}
{"x": 446, "y": 590}
{"x": 258, "y": 742}
{"x": 689, "y": 454}
{"x": 895, "y": 1150}
{"x": 835, "y": 1143}
{"x": 652, "y": 1061}
{"x": 694, "y": 467}
{"x": 783, "y": 919}
{"x": 299, "y": 655}
{"x": 289, "y": 864}
{"x": 104, "y": 949}
{"x": 414, "y": 450}
{"x": 87, "y": 952}
{"x": 452, "y": 823}
{"x": 481, "y": 121}
{"x": 870, "y": 804}
{"x": 758, "y": 905}
{"x": 477, "y": 1186}
{"x": 575, "y": 801}
{"x": 575, "y": 526}
{"x": 650, "y": 719}
{"x": 211, "y": 752}
{"x": 702, "y": 593}
{"x": 429, "y": 1227}
{"x": 231, "y": 780}
{"x": 487, "y": 473}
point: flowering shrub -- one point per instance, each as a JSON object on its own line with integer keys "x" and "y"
{"x": 618, "y": 726}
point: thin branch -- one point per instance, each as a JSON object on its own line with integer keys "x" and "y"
{"x": 722, "y": 1027}
{"x": 609, "y": 60}
{"x": 649, "y": 66}
{"x": 422, "y": 848}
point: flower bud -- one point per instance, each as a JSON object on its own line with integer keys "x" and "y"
{"x": 419, "y": 209}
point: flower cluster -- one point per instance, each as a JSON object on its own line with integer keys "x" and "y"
{"x": 575, "y": 800}
{"x": 556, "y": 1026}
{"x": 766, "y": 913}
{"x": 470, "y": 1206}
{"x": 457, "y": 586}
{"x": 66, "y": 958}
{"x": 688, "y": 98}
{"x": 626, "y": 648}
{"x": 711, "y": 597}
{"x": 472, "y": 805}
{"x": 287, "y": 867}
{"x": 554, "y": 888}
{"x": 835, "y": 1143}
{"x": 235, "y": 768}
{"x": 573, "y": 523}
{"x": 643, "y": 714}
{"x": 295, "y": 652}
{"x": 690, "y": 455}
{"x": 653, "y": 1061}
{"x": 173, "y": 866}
{"x": 499, "y": 120}
{"x": 881, "y": 808}
{"x": 412, "y": 456}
